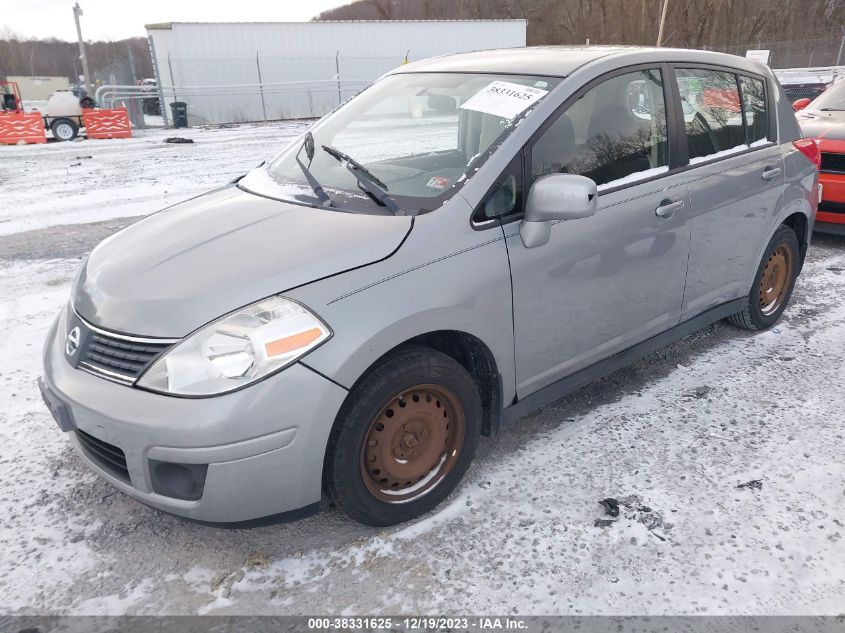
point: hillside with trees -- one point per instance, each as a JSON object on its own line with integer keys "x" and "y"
{"x": 56, "y": 58}
{"x": 799, "y": 32}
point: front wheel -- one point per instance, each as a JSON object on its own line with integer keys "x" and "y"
{"x": 404, "y": 438}
{"x": 773, "y": 283}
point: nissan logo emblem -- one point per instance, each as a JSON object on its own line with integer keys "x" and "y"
{"x": 72, "y": 342}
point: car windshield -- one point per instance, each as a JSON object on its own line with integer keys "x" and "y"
{"x": 413, "y": 137}
{"x": 831, "y": 99}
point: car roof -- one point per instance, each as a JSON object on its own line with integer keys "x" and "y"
{"x": 561, "y": 61}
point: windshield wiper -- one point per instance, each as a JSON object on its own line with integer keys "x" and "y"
{"x": 316, "y": 187}
{"x": 367, "y": 181}
{"x": 831, "y": 109}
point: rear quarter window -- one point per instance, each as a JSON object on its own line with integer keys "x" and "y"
{"x": 755, "y": 108}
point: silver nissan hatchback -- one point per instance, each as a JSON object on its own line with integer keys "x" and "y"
{"x": 468, "y": 239}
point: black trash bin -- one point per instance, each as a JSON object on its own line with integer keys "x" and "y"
{"x": 180, "y": 113}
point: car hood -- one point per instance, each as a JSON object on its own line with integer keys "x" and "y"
{"x": 822, "y": 124}
{"x": 178, "y": 269}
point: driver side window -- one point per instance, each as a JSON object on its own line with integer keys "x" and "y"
{"x": 616, "y": 130}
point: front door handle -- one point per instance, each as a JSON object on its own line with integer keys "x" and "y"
{"x": 770, "y": 173}
{"x": 667, "y": 208}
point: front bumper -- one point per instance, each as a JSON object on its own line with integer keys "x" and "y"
{"x": 263, "y": 445}
{"x": 830, "y": 228}
{"x": 831, "y": 214}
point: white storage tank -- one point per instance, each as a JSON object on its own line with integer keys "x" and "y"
{"x": 255, "y": 71}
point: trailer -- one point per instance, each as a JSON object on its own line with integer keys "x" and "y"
{"x": 65, "y": 115}
{"x": 62, "y": 114}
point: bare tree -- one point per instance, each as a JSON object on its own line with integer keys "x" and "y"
{"x": 790, "y": 28}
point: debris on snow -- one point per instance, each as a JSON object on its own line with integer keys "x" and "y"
{"x": 635, "y": 510}
{"x": 178, "y": 139}
{"x": 754, "y": 484}
{"x": 611, "y": 506}
{"x": 699, "y": 392}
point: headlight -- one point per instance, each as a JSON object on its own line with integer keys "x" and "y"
{"x": 237, "y": 349}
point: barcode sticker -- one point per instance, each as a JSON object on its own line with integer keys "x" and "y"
{"x": 504, "y": 99}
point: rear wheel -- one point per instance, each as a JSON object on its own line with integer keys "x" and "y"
{"x": 64, "y": 129}
{"x": 404, "y": 438}
{"x": 773, "y": 283}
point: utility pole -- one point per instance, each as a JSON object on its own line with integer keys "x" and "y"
{"x": 77, "y": 11}
{"x": 841, "y": 46}
{"x": 662, "y": 23}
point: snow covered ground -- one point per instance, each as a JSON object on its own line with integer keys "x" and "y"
{"x": 84, "y": 181}
{"x": 674, "y": 436}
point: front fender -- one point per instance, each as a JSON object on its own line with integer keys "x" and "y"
{"x": 434, "y": 283}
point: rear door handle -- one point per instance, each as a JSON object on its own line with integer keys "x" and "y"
{"x": 770, "y": 173}
{"x": 667, "y": 209}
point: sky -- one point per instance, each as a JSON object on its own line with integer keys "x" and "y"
{"x": 119, "y": 19}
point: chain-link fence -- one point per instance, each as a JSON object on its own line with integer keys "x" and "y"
{"x": 264, "y": 88}
{"x": 800, "y": 50}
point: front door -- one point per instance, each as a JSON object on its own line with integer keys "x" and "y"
{"x": 603, "y": 283}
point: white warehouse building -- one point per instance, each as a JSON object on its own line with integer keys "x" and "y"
{"x": 257, "y": 71}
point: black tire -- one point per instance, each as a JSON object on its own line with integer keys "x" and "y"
{"x": 397, "y": 377}
{"x": 64, "y": 129}
{"x": 756, "y": 315}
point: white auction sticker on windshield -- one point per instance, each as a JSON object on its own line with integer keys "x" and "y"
{"x": 504, "y": 99}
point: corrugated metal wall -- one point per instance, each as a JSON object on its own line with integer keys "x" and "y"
{"x": 215, "y": 66}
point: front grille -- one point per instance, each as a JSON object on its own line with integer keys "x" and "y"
{"x": 125, "y": 358}
{"x": 110, "y": 457}
{"x": 834, "y": 163}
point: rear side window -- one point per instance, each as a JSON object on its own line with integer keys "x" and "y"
{"x": 754, "y": 104}
{"x": 614, "y": 133}
{"x": 712, "y": 112}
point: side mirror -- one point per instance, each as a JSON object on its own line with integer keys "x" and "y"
{"x": 556, "y": 197}
{"x": 800, "y": 104}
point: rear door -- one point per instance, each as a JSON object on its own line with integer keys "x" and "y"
{"x": 736, "y": 179}
{"x": 603, "y": 283}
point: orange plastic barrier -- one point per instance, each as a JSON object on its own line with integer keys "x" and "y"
{"x": 725, "y": 99}
{"x": 113, "y": 123}
{"x": 16, "y": 127}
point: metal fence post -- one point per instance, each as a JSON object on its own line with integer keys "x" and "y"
{"x": 172, "y": 78}
{"x": 260, "y": 86}
{"x": 337, "y": 70}
{"x": 135, "y": 108}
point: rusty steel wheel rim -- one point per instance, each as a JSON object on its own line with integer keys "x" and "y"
{"x": 413, "y": 443}
{"x": 774, "y": 284}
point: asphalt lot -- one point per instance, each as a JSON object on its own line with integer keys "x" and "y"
{"x": 677, "y": 432}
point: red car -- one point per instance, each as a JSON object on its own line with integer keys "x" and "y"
{"x": 823, "y": 120}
